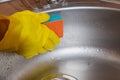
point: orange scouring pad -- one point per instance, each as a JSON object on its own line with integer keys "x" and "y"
{"x": 56, "y": 26}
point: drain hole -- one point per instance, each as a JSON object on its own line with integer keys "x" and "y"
{"x": 68, "y": 77}
{"x": 59, "y": 77}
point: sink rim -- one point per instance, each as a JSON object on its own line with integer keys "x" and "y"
{"x": 78, "y": 7}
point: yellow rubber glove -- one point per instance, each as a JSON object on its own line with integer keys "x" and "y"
{"x": 27, "y": 36}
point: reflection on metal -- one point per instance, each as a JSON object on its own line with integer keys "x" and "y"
{"x": 38, "y": 4}
{"x": 112, "y": 1}
{"x": 68, "y": 77}
{"x": 59, "y": 77}
{"x": 54, "y": 4}
{"x": 55, "y": 1}
{"x": 2, "y": 1}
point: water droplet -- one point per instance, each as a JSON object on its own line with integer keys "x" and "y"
{"x": 52, "y": 58}
{"x": 98, "y": 50}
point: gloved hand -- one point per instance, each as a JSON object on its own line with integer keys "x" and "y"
{"x": 27, "y": 36}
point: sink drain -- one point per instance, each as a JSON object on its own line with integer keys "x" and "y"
{"x": 59, "y": 77}
{"x": 65, "y": 77}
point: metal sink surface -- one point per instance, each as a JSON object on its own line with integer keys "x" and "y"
{"x": 89, "y": 50}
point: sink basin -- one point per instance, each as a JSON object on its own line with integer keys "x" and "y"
{"x": 89, "y": 50}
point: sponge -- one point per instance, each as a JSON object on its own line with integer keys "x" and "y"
{"x": 54, "y": 17}
{"x": 56, "y": 24}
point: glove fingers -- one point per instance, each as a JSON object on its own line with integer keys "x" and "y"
{"x": 43, "y": 17}
{"x": 54, "y": 38}
{"x": 42, "y": 50}
{"x": 49, "y": 45}
{"x": 28, "y": 53}
{"x": 45, "y": 34}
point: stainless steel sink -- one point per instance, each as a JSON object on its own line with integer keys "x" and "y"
{"x": 89, "y": 50}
